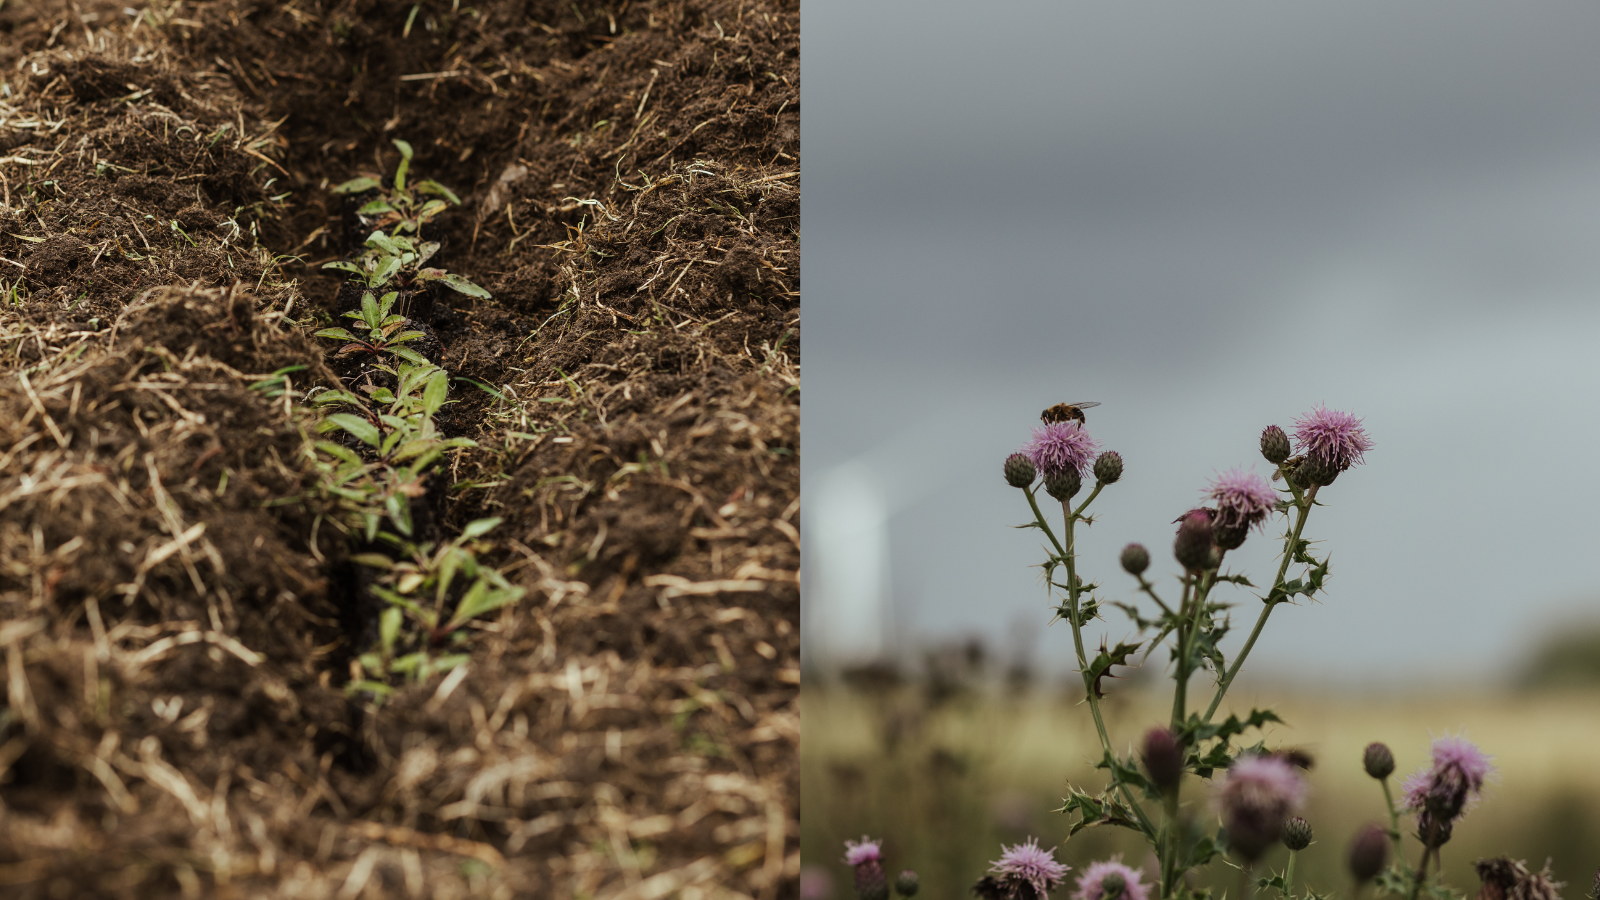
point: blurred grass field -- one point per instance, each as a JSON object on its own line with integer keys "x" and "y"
{"x": 946, "y": 774}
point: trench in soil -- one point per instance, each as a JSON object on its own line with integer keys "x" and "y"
{"x": 631, "y": 199}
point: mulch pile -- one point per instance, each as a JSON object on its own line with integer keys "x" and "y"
{"x": 177, "y": 615}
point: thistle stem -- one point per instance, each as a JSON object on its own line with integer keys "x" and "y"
{"x": 1422, "y": 864}
{"x": 1261, "y": 621}
{"x": 1181, "y": 692}
{"x": 1069, "y": 558}
{"x": 1394, "y": 817}
{"x": 1150, "y": 589}
{"x": 1169, "y": 843}
{"x": 1288, "y": 877}
{"x": 1098, "y": 485}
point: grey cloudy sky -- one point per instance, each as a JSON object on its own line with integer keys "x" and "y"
{"x": 1211, "y": 217}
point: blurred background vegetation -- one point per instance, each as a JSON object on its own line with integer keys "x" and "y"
{"x": 947, "y": 762}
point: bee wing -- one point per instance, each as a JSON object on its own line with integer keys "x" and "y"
{"x": 1086, "y": 404}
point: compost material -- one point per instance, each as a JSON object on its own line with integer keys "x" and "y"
{"x": 178, "y": 613}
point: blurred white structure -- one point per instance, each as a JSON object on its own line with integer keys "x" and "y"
{"x": 847, "y": 609}
{"x": 845, "y": 618}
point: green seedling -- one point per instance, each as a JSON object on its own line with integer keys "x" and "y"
{"x": 273, "y": 386}
{"x": 400, "y": 208}
{"x": 389, "y": 442}
{"x": 384, "y": 334}
{"x": 399, "y": 257}
{"x": 439, "y": 589}
{"x": 385, "y": 257}
{"x": 398, "y": 429}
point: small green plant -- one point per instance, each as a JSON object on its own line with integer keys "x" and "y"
{"x": 389, "y": 442}
{"x": 400, "y": 258}
{"x": 384, "y": 334}
{"x": 399, "y": 212}
{"x": 401, "y": 440}
{"x": 401, "y": 207}
{"x": 439, "y": 589}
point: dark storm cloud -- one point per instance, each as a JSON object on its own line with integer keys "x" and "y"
{"x": 1212, "y": 216}
{"x": 934, "y": 108}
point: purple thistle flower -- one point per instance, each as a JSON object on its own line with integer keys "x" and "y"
{"x": 1332, "y": 438}
{"x": 1243, "y": 499}
{"x": 1256, "y": 799}
{"x": 1091, "y": 884}
{"x": 1027, "y": 864}
{"x": 866, "y": 857}
{"x": 1059, "y": 446}
{"x": 864, "y": 850}
{"x": 1446, "y": 789}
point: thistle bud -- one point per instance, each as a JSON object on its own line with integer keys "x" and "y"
{"x": 1135, "y": 559}
{"x": 1112, "y": 886}
{"x": 1378, "y": 761}
{"x": 1274, "y": 444}
{"x": 1369, "y": 853}
{"x": 1108, "y": 467}
{"x": 1193, "y": 546}
{"x": 1297, "y": 834}
{"x": 1163, "y": 758}
{"x": 1019, "y": 470}
{"x": 1063, "y": 484}
{"x": 871, "y": 883}
{"x": 1230, "y": 537}
{"x": 906, "y": 883}
{"x": 1499, "y": 877}
{"x": 1313, "y": 472}
{"x": 1434, "y": 831}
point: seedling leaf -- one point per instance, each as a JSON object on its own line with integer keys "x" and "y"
{"x": 357, "y": 185}
{"x": 479, "y": 527}
{"x": 363, "y": 430}
{"x": 457, "y": 283}
{"x": 405, "y": 163}
{"x": 429, "y": 186}
{"x": 433, "y": 396}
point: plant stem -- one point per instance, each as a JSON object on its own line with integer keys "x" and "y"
{"x": 1394, "y": 817}
{"x": 1181, "y": 692}
{"x": 1098, "y": 486}
{"x": 1289, "y": 546}
{"x": 1169, "y": 843}
{"x": 1150, "y": 589}
{"x": 1422, "y": 864}
{"x": 1065, "y": 553}
{"x": 1288, "y": 877}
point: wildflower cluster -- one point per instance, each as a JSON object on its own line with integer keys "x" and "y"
{"x": 1255, "y": 793}
{"x": 384, "y": 443}
{"x": 871, "y": 883}
{"x": 1437, "y": 797}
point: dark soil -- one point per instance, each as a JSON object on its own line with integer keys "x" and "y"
{"x": 177, "y": 617}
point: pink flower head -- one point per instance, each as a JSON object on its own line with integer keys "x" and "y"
{"x": 1060, "y": 446}
{"x": 864, "y": 850}
{"x": 1448, "y": 788}
{"x": 1243, "y": 499}
{"x": 1091, "y": 884}
{"x": 1331, "y": 437}
{"x": 1256, "y": 798}
{"x": 1029, "y": 863}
